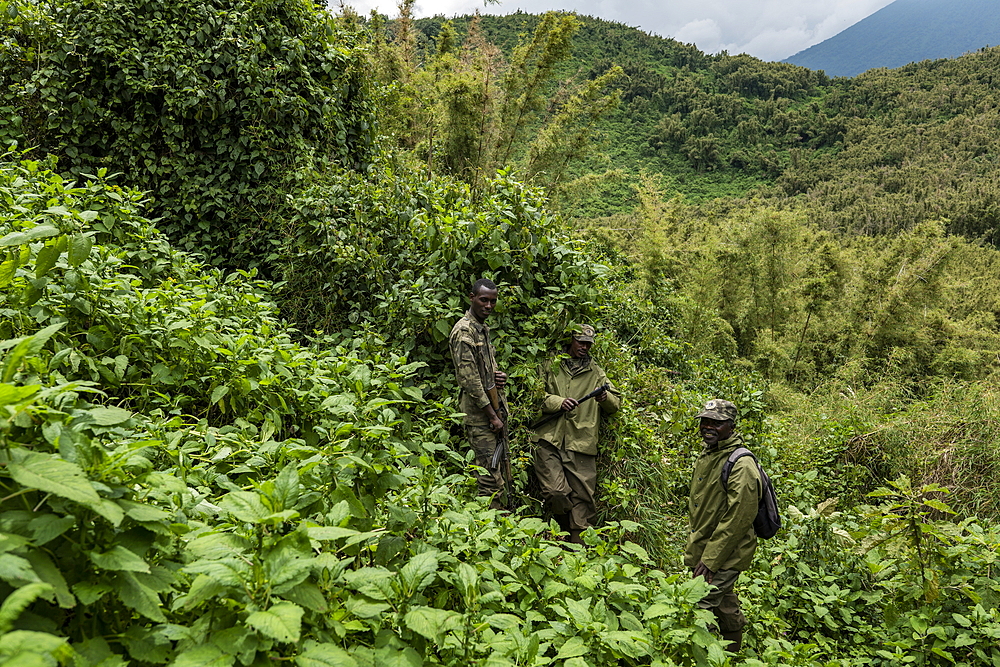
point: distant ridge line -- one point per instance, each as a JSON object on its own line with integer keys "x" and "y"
{"x": 903, "y": 32}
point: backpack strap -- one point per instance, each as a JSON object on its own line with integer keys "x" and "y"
{"x": 727, "y": 467}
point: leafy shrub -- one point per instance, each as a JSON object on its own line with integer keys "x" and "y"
{"x": 210, "y": 106}
{"x": 183, "y": 483}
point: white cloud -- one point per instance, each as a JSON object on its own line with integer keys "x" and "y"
{"x": 767, "y": 29}
{"x": 706, "y": 33}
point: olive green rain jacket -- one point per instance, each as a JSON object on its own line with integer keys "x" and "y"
{"x": 721, "y": 523}
{"x": 577, "y": 430}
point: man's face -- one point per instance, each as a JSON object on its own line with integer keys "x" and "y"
{"x": 714, "y": 431}
{"x": 579, "y": 349}
{"x": 482, "y": 303}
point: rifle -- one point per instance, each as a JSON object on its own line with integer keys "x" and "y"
{"x": 501, "y": 454}
{"x": 560, "y": 413}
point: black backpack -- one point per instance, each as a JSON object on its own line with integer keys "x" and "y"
{"x": 767, "y": 522}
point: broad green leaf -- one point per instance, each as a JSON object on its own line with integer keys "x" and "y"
{"x": 364, "y": 608}
{"x": 207, "y": 655}
{"x": 282, "y": 622}
{"x": 51, "y": 474}
{"x": 88, "y": 592}
{"x": 573, "y": 647}
{"x": 46, "y": 259}
{"x": 30, "y": 642}
{"x": 50, "y": 574}
{"x": 630, "y": 643}
{"x": 246, "y": 506}
{"x": 939, "y": 505}
{"x": 110, "y": 510}
{"x": 419, "y": 571}
{"x": 7, "y": 270}
{"x": 307, "y": 595}
{"x": 16, "y": 570}
{"x": 25, "y": 347}
{"x": 391, "y": 656}
{"x": 325, "y": 655}
{"x": 47, "y": 527}
{"x": 444, "y": 328}
{"x": 203, "y": 588}
{"x": 286, "y": 487}
{"x": 659, "y": 609}
{"x": 80, "y": 246}
{"x": 375, "y": 582}
{"x": 28, "y": 235}
{"x": 636, "y": 551}
{"x": 119, "y": 559}
{"x": 218, "y": 394}
{"x": 11, "y": 542}
{"x": 142, "y": 512}
{"x": 17, "y": 601}
{"x": 430, "y": 622}
{"x": 503, "y": 621}
{"x": 109, "y": 415}
{"x": 579, "y": 610}
{"x": 138, "y": 596}
{"x": 11, "y": 394}
{"x": 326, "y": 533}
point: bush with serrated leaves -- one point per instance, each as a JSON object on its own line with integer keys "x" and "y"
{"x": 181, "y": 482}
{"x": 213, "y": 106}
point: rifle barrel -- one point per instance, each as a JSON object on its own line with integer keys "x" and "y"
{"x": 556, "y": 415}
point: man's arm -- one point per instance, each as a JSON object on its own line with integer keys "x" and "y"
{"x": 467, "y": 369}
{"x": 738, "y": 518}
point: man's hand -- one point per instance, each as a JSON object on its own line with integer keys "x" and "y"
{"x": 701, "y": 570}
{"x": 500, "y": 378}
{"x": 496, "y": 424}
{"x": 569, "y": 404}
{"x": 603, "y": 396}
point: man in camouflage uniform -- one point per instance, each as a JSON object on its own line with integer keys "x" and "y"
{"x": 565, "y": 451}
{"x": 476, "y": 371}
{"x": 722, "y": 541}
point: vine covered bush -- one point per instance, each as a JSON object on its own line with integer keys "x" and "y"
{"x": 211, "y": 106}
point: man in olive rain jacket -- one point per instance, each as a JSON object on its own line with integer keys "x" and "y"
{"x": 565, "y": 451}
{"x": 722, "y": 541}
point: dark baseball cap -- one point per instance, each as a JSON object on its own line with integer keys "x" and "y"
{"x": 719, "y": 410}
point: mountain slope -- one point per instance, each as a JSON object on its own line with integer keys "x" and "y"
{"x": 906, "y": 31}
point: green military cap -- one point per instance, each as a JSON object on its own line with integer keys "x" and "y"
{"x": 584, "y": 333}
{"x": 719, "y": 410}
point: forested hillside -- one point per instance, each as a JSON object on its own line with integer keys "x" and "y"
{"x": 878, "y": 153}
{"x": 234, "y": 236}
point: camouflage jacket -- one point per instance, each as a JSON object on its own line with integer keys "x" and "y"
{"x": 577, "y": 430}
{"x": 721, "y": 522}
{"x": 475, "y": 362}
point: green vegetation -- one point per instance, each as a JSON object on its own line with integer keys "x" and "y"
{"x": 227, "y": 418}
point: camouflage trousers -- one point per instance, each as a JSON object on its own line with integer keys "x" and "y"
{"x": 491, "y": 483}
{"x": 722, "y": 600}
{"x": 569, "y": 482}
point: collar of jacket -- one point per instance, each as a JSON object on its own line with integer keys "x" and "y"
{"x": 476, "y": 324}
{"x": 732, "y": 442}
{"x": 576, "y": 366}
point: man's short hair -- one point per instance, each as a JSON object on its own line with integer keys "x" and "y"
{"x": 482, "y": 283}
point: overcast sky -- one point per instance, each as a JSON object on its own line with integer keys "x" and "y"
{"x": 767, "y": 29}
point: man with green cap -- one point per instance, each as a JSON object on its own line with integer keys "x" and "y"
{"x": 722, "y": 541}
{"x": 565, "y": 450}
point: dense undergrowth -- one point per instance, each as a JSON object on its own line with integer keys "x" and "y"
{"x": 188, "y": 479}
